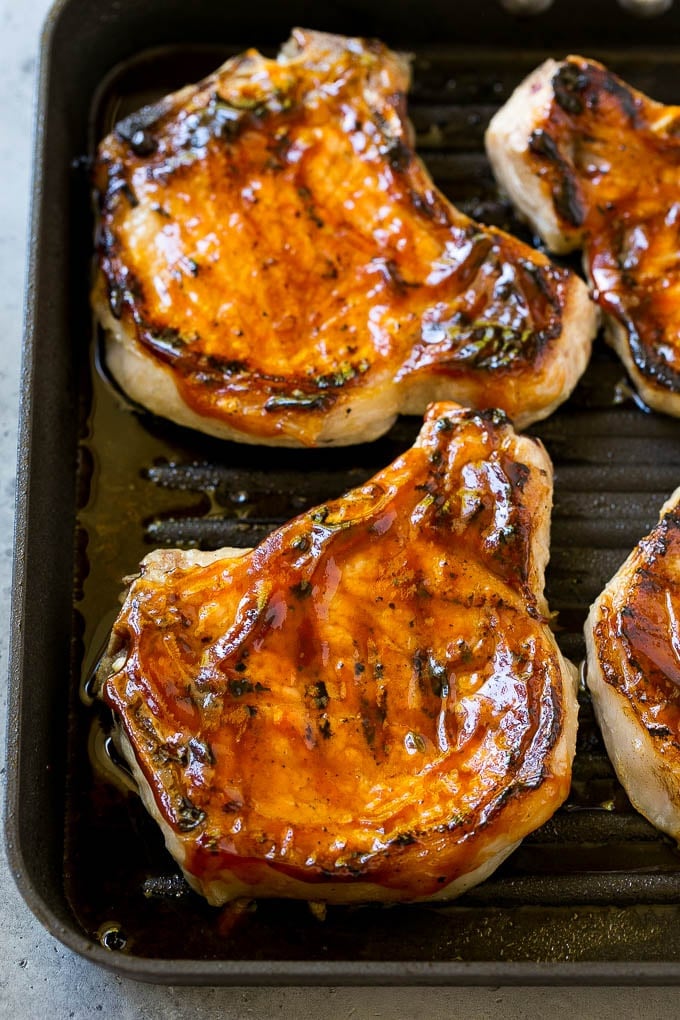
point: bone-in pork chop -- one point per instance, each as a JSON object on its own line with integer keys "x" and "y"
{"x": 370, "y": 705}
{"x": 593, "y": 164}
{"x": 633, "y": 639}
{"x": 275, "y": 265}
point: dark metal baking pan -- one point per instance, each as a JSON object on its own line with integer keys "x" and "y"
{"x": 594, "y": 896}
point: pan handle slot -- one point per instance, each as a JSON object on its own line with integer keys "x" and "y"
{"x": 642, "y": 8}
{"x": 526, "y": 6}
{"x": 646, "y": 8}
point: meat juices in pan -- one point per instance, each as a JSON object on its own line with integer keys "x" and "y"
{"x": 276, "y": 265}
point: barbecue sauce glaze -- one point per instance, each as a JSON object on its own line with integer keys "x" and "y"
{"x": 272, "y": 240}
{"x": 372, "y": 693}
{"x": 611, "y": 157}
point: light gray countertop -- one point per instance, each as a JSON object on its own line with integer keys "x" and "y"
{"x": 38, "y": 975}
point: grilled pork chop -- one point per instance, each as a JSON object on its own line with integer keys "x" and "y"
{"x": 633, "y": 640}
{"x": 368, "y": 706}
{"x": 594, "y": 164}
{"x": 276, "y": 266}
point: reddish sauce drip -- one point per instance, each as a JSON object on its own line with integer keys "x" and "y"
{"x": 364, "y": 691}
{"x": 639, "y": 637}
{"x": 612, "y": 159}
{"x": 272, "y": 239}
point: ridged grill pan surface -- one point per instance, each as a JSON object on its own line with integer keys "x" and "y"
{"x": 594, "y": 893}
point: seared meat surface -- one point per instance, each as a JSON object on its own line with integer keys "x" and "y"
{"x": 593, "y": 164}
{"x": 371, "y": 704}
{"x": 633, "y": 639}
{"x": 276, "y": 266}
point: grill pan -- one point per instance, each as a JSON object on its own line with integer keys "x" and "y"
{"x": 594, "y": 895}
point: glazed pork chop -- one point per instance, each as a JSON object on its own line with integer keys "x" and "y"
{"x": 633, "y": 641}
{"x": 275, "y": 265}
{"x": 593, "y": 164}
{"x": 371, "y": 704}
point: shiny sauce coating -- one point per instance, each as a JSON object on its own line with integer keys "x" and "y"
{"x": 638, "y": 639}
{"x": 369, "y": 690}
{"x": 271, "y": 238}
{"x": 612, "y": 159}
